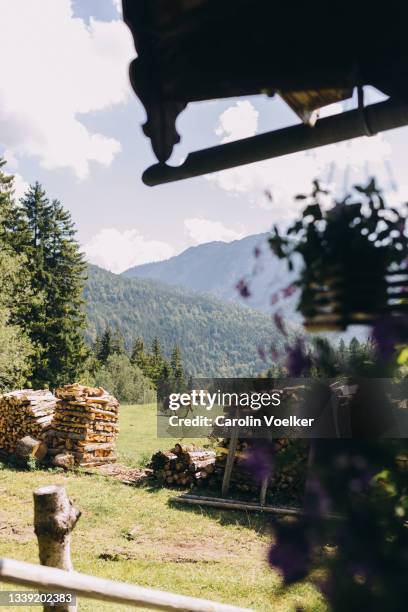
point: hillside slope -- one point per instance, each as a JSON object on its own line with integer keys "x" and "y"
{"x": 216, "y": 338}
{"x": 217, "y": 267}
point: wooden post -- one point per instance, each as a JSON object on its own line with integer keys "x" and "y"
{"x": 264, "y": 490}
{"x": 54, "y": 519}
{"x": 230, "y": 458}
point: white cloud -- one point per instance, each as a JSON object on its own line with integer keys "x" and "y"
{"x": 238, "y": 121}
{"x": 347, "y": 163}
{"x": 118, "y": 5}
{"x": 20, "y": 186}
{"x": 205, "y": 230}
{"x": 58, "y": 68}
{"x": 11, "y": 159}
{"x": 117, "y": 251}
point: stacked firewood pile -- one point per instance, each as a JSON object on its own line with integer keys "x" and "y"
{"x": 287, "y": 476}
{"x": 84, "y": 427}
{"x": 25, "y": 413}
{"x": 183, "y": 465}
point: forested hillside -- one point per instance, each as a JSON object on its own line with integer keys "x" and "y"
{"x": 217, "y": 267}
{"x": 215, "y": 338}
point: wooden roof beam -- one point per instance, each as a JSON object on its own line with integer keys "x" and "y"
{"x": 366, "y": 121}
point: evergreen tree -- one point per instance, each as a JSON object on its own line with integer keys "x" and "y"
{"x": 15, "y": 347}
{"x": 156, "y": 350}
{"x": 15, "y": 293}
{"x": 55, "y": 321}
{"x": 118, "y": 342}
{"x": 103, "y": 345}
{"x": 138, "y": 352}
{"x": 12, "y": 226}
{"x": 109, "y": 343}
{"x": 165, "y": 382}
{"x": 354, "y": 345}
{"x": 177, "y": 369}
{"x": 156, "y": 362}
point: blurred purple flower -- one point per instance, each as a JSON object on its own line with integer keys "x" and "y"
{"x": 387, "y": 332}
{"x": 291, "y": 552}
{"x": 274, "y": 298}
{"x": 260, "y": 460}
{"x": 289, "y": 290}
{"x": 317, "y": 500}
{"x": 257, "y": 252}
{"x": 243, "y": 289}
{"x": 261, "y": 353}
{"x": 297, "y": 361}
{"x": 280, "y": 323}
{"x": 274, "y": 353}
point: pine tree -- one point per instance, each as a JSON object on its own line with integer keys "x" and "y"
{"x": 137, "y": 349}
{"x": 6, "y": 202}
{"x": 55, "y": 321}
{"x": 103, "y": 345}
{"x": 177, "y": 369}
{"x": 165, "y": 382}
{"x": 15, "y": 346}
{"x": 12, "y": 225}
{"x": 109, "y": 343}
{"x": 354, "y": 345}
{"x": 156, "y": 349}
{"x": 138, "y": 356}
{"x": 118, "y": 342}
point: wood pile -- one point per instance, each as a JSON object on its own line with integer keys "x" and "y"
{"x": 84, "y": 427}
{"x": 183, "y": 465}
{"x": 288, "y": 473}
{"x": 25, "y": 413}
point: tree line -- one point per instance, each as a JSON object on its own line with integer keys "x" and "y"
{"x": 135, "y": 375}
{"x": 42, "y": 275}
{"x": 43, "y": 321}
{"x": 42, "y": 309}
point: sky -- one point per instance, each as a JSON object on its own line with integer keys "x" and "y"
{"x": 69, "y": 119}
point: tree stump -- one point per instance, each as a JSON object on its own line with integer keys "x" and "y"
{"x": 54, "y": 519}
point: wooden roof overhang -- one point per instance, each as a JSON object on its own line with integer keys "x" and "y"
{"x": 309, "y": 54}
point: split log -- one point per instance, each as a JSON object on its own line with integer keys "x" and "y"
{"x": 183, "y": 465}
{"x": 64, "y": 460}
{"x": 85, "y": 425}
{"x": 30, "y": 447}
{"x": 54, "y": 519}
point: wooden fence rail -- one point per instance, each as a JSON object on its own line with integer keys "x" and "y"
{"x": 50, "y": 579}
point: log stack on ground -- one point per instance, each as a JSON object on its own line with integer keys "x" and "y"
{"x": 25, "y": 413}
{"x": 84, "y": 427}
{"x": 289, "y": 458}
{"x": 183, "y": 465}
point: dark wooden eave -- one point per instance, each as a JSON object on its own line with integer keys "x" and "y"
{"x": 309, "y": 53}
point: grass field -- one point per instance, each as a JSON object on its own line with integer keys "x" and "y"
{"x": 133, "y": 534}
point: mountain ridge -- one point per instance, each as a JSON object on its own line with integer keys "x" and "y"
{"x": 217, "y": 268}
{"x": 216, "y": 338}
